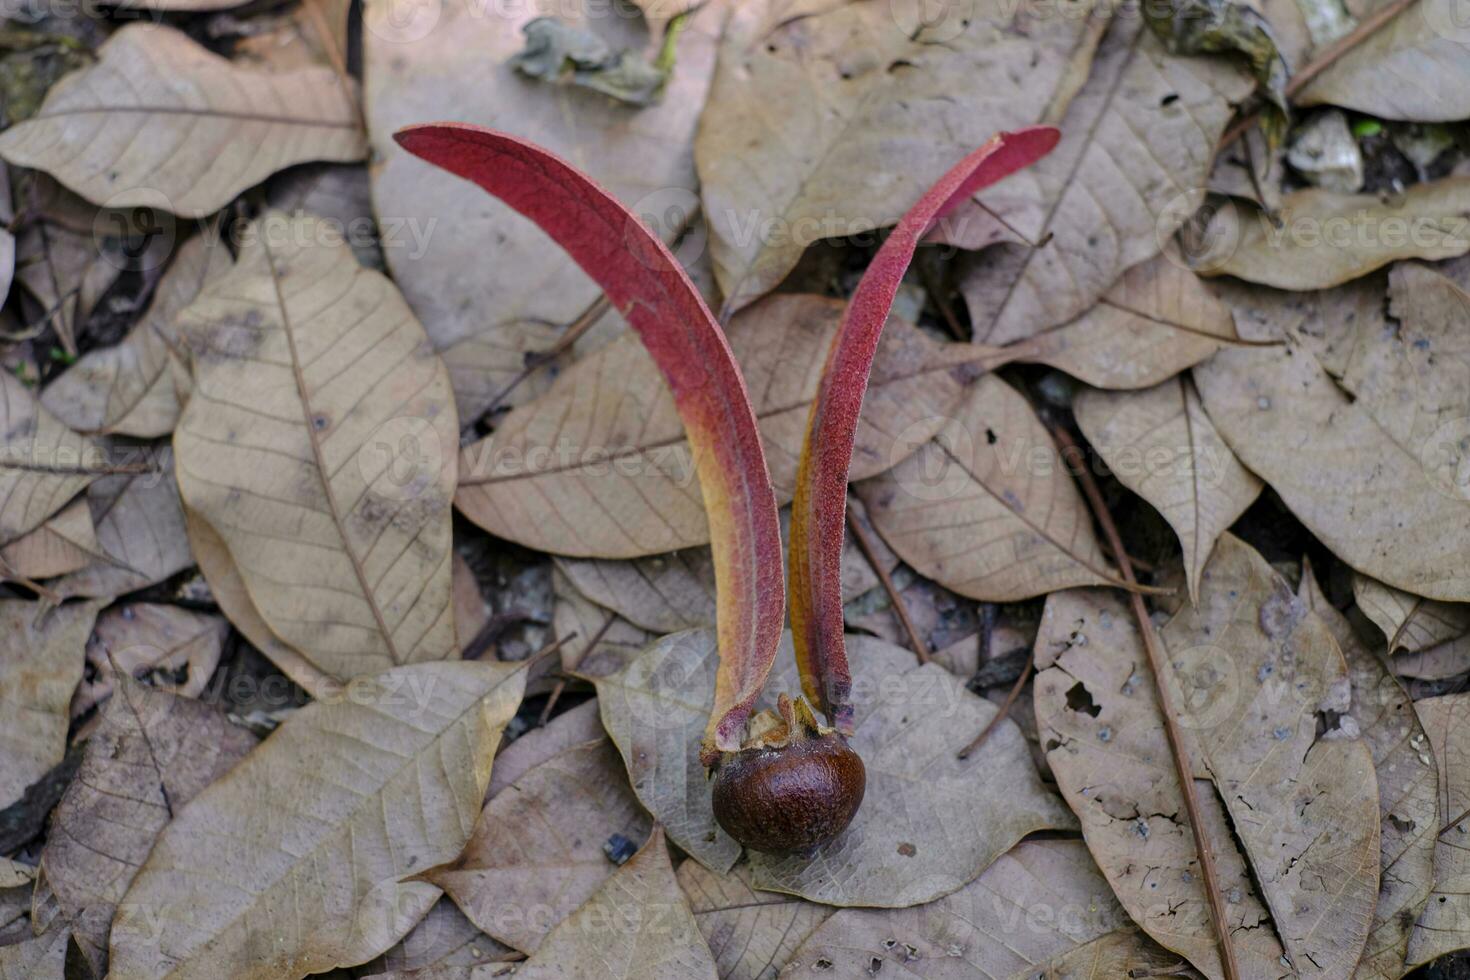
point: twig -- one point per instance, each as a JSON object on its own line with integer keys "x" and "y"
{"x": 570, "y": 336}
{"x": 1322, "y": 62}
{"x": 921, "y": 649}
{"x": 1005, "y": 708}
{"x": 561, "y": 682}
{"x": 1183, "y": 766}
{"x": 1159, "y": 971}
{"x": 1454, "y": 823}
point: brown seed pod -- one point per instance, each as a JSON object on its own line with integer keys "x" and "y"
{"x": 791, "y": 790}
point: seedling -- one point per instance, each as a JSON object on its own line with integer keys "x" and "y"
{"x": 784, "y": 781}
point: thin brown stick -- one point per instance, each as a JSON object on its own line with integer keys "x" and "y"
{"x": 1454, "y": 823}
{"x": 574, "y": 332}
{"x": 561, "y": 682}
{"x": 1005, "y": 708}
{"x": 1183, "y": 766}
{"x": 1322, "y": 62}
{"x": 865, "y": 545}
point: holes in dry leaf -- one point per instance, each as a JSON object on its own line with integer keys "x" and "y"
{"x": 874, "y": 965}
{"x": 1079, "y": 699}
{"x": 1169, "y": 99}
{"x": 822, "y": 964}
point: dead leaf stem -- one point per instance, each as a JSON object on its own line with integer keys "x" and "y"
{"x": 1005, "y": 707}
{"x": 1183, "y": 766}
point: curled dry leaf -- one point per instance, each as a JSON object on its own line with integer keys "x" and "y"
{"x": 1415, "y": 68}
{"x": 152, "y": 753}
{"x": 1136, "y": 145}
{"x": 161, "y": 122}
{"x": 486, "y": 317}
{"x": 1160, "y": 444}
{"x": 987, "y": 507}
{"x": 816, "y": 141}
{"x": 318, "y": 445}
{"x": 1381, "y": 503}
{"x": 537, "y": 851}
{"x": 140, "y": 533}
{"x": 65, "y": 543}
{"x": 1409, "y": 622}
{"x": 1156, "y": 320}
{"x": 641, "y": 278}
{"x": 7, "y": 261}
{"x": 1322, "y": 238}
{"x": 1445, "y": 925}
{"x": 751, "y": 933}
{"x": 128, "y": 389}
{"x": 1041, "y": 910}
{"x": 165, "y": 647}
{"x": 330, "y": 818}
{"x": 636, "y": 927}
{"x": 41, "y": 660}
{"x": 600, "y": 466}
{"x": 912, "y": 841}
{"x": 1449, "y": 659}
{"x": 1407, "y": 791}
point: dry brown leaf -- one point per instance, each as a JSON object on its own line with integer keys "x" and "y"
{"x": 1160, "y": 444}
{"x": 1097, "y": 715}
{"x": 43, "y": 464}
{"x": 1409, "y": 622}
{"x": 1321, "y": 238}
{"x": 128, "y": 389}
{"x": 1447, "y": 660}
{"x": 41, "y": 659}
{"x": 830, "y": 119}
{"x": 319, "y": 830}
{"x": 443, "y": 940}
{"x": 39, "y": 958}
{"x": 1415, "y": 68}
{"x": 319, "y": 401}
{"x": 7, "y": 261}
{"x": 1157, "y": 320}
{"x": 1040, "y": 911}
{"x": 64, "y": 264}
{"x": 1407, "y": 791}
{"x": 165, "y": 647}
{"x": 234, "y": 601}
{"x": 537, "y": 850}
{"x": 65, "y": 543}
{"x": 636, "y": 927}
{"x": 1136, "y": 145}
{"x": 152, "y": 753}
{"x": 911, "y": 841}
{"x": 597, "y": 641}
{"x": 566, "y": 730}
{"x": 599, "y": 466}
{"x": 1383, "y": 506}
{"x": 1445, "y": 925}
{"x": 987, "y": 507}
{"x": 164, "y": 123}
{"x": 140, "y": 534}
{"x": 486, "y": 316}
{"x": 751, "y": 933}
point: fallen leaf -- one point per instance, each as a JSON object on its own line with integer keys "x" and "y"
{"x": 164, "y": 647}
{"x": 751, "y": 933}
{"x": 342, "y": 195}
{"x": 39, "y": 958}
{"x": 318, "y": 399}
{"x": 911, "y": 842}
{"x": 64, "y": 258}
{"x": 1441, "y": 929}
{"x": 537, "y": 852}
{"x": 1409, "y": 622}
{"x": 1249, "y": 702}
{"x": 1380, "y": 505}
{"x": 43, "y": 464}
{"x": 597, "y": 640}
{"x": 566, "y": 730}
{"x": 7, "y": 262}
{"x": 329, "y": 817}
{"x": 443, "y": 940}
{"x": 161, "y": 122}
{"x": 1448, "y": 660}
{"x": 600, "y": 466}
{"x": 1321, "y": 238}
{"x": 1041, "y": 910}
{"x": 485, "y": 317}
{"x": 65, "y": 543}
{"x": 827, "y": 121}
{"x": 128, "y": 389}
{"x": 140, "y": 534}
{"x": 1407, "y": 791}
{"x": 636, "y": 927}
{"x": 1160, "y": 444}
{"x": 41, "y": 653}
{"x": 560, "y": 53}
{"x": 1157, "y": 320}
{"x": 230, "y": 594}
{"x": 1136, "y": 145}
{"x": 1415, "y": 68}
{"x": 987, "y": 507}
{"x": 152, "y": 753}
